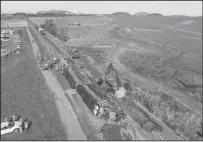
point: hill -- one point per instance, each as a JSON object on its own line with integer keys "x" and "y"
{"x": 155, "y": 14}
{"x": 59, "y": 12}
{"x": 141, "y": 14}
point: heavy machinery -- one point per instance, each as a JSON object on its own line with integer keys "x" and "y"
{"x": 110, "y": 114}
{"x": 46, "y": 66}
{"x": 16, "y": 124}
{"x": 3, "y": 50}
{"x": 114, "y": 84}
{"x": 75, "y": 54}
{"x": 42, "y": 31}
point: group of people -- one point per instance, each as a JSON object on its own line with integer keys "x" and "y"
{"x": 11, "y": 122}
{"x": 13, "y": 51}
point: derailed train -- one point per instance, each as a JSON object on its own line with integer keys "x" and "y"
{"x": 99, "y": 106}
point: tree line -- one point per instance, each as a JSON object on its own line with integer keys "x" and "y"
{"x": 50, "y": 26}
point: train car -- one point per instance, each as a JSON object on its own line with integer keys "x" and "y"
{"x": 91, "y": 100}
{"x": 71, "y": 77}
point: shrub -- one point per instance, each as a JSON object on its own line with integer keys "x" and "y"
{"x": 50, "y": 26}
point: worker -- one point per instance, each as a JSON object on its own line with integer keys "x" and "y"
{"x": 10, "y": 122}
{"x": 14, "y": 117}
{"x": 25, "y": 124}
{"x": 100, "y": 81}
{"x": 6, "y": 119}
{"x": 63, "y": 68}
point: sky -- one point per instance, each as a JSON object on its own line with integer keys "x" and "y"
{"x": 190, "y": 8}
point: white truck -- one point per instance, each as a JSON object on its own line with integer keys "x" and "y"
{"x": 42, "y": 31}
{"x": 14, "y": 125}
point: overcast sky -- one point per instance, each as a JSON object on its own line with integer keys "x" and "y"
{"x": 191, "y": 8}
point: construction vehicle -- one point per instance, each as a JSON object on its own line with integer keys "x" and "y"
{"x": 109, "y": 114}
{"x": 46, "y": 66}
{"x": 55, "y": 60}
{"x": 3, "y": 50}
{"x": 114, "y": 85}
{"x": 16, "y": 124}
{"x": 75, "y": 54}
{"x": 42, "y": 31}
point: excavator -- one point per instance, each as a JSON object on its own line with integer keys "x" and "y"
{"x": 114, "y": 85}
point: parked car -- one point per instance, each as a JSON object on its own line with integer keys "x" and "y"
{"x": 11, "y": 126}
{"x": 16, "y": 124}
{"x": 3, "y": 50}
